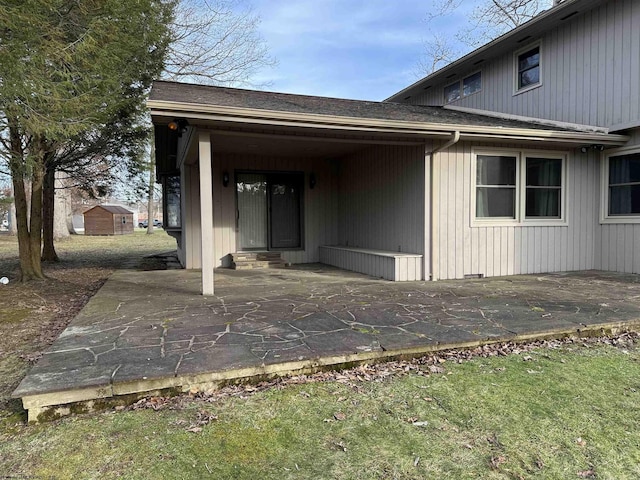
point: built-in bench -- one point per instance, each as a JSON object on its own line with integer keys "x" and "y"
{"x": 395, "y": 266}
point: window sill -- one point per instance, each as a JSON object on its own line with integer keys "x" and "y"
{"x": 622, "y": 219}
{"x": 527, "y": 89}
{"x": 523, "y": 223}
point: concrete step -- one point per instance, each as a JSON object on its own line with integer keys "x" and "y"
{"x": 256, "y": 260}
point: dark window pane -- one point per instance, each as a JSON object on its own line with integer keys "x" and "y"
{"x": 452, "y": 92}
{"x": 495, "y": 202}
{"x": 529, "y": 59}
{"x": 624, "y": 200}
{"x": 544, "y": 172}
{"x": 530, "y": 77}
{"x": 624, "y": 169}
{"x": 543, "y": 202}
{"x": 472, "y": 84}
{"x": 496, "y": 170}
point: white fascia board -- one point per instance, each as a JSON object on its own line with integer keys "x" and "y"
{"x": 295, "y": 119}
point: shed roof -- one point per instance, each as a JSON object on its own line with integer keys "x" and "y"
{"x": 111, "y": 209}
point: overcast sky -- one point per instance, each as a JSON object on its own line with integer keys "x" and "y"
{"x": 359, "y": 49}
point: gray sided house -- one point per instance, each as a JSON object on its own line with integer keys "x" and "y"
{"x": 522, "y": 157}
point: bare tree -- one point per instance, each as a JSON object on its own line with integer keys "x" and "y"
{"x": 216, "y": 42}
{"x": 488, "y": 20}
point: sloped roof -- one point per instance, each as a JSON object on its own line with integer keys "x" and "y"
{"x": 185, "y": 93}
{"x": 112, "y": 209}
{"x": 511, "y": 40}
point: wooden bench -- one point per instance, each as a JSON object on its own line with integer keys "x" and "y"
{"x": 394, "y": 266}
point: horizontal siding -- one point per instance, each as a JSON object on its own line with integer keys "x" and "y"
{"x": 382, "y": 199}
{"x": 590, "y": 72}
{"x": 511, "y": 250}
{"x": 397, "y": 268}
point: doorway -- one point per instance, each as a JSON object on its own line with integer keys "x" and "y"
{"x": 269, "y": 210}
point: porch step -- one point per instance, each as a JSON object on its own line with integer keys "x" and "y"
{"x": 256, "y": 260}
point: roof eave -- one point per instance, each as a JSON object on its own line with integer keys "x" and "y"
{"x": 241, "y": 115}
{"x": 488, "y": 46}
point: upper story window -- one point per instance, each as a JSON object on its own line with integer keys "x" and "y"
{"x": 452, "y": 92}
{"x": 468, "y": 86}
{"x": 528, "y": 68}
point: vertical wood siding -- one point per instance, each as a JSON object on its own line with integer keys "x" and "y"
{"x": 590, "y": 72}
{"x": 618, "y": 245}
{"x": 320, "y": 206}
{"x": 511, "y": 250}
{"x": 382, "y": 199}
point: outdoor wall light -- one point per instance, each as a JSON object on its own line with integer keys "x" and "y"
{"x": 178, "y": 125}
{"x": 585, "y": 148}
{"x": 225, "y": 179}
{"x": 312, "y": 181}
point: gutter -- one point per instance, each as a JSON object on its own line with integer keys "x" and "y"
{"x": 434, "y": 184}
{"x": 294, "y": 119}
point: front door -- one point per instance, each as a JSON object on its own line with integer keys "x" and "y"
{"x": 269, "y": 215}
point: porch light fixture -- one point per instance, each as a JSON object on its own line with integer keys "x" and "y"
{"x": 312, "y": 181}
{"x": 225, "y": 179}
{"x": 178, "y": 125}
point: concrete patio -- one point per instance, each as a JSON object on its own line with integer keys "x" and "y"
{"x": 150, "y": 332}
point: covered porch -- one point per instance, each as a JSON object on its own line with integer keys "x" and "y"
{"x": 349, "y": 183}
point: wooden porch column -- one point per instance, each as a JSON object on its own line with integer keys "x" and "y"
{"x": 206, "y": 211}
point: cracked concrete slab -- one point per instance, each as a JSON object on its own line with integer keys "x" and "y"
{"x": 145, "y": 331}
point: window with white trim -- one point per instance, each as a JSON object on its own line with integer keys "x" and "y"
{"x": 623, "y": 193}
{"x": 519, "y": 187}
{"x": 463, "y": 88}
{"x": 527, "y": 68}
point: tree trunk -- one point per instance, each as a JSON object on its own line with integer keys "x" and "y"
{"x": 150, "y": 212}
{"x": 62, "y": 219}
{"x": 30, "y": 266}
{"x": 48, "y": 211}
{"x": 13, "y": 228}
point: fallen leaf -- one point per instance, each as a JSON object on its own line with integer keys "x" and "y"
{"x": 436, "y": 369}
{"x": 339, "y": 416}
{"x": 587, "y": 474}
{"x": 420, "y": 424}
{"x": 580, "y": 441}
{"x": 416, "y": 461}
{"x": 194, "y": 429}
{"x": 497, "y": 461}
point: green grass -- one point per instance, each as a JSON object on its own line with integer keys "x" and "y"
{"x": 554, "y": 413}
{"x": 566, "y": 413}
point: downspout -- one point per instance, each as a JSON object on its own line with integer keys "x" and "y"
{"x": 434, "y": 187}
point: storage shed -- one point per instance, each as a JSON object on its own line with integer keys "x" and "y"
{"x": 108, "y": 220}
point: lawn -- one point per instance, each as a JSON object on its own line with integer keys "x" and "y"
{"x": 555, "y": 409}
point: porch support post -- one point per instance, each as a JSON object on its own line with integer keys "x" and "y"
{"x": 206, "y": 211}
{"x": 428, "y": 241}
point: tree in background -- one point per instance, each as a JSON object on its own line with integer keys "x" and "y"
{"x": 67, "y": 68}
{"x": 214, "y": 42}
{"x": 488, "y": 20}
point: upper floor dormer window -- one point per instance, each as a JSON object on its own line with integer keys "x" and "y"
{"x": 468, "y": 86}
{"x": 528, "y": 68}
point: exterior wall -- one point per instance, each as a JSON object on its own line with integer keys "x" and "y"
{"x": 590, "y": 72}
{"x": 618, "y": 244}
{"x": 382, "y": 199}
{"x": 320, "y": 207}
{"x": 510, "y": 250}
